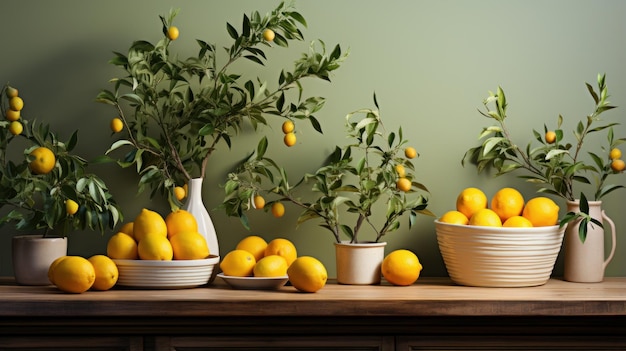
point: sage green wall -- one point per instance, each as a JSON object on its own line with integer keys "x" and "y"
{"x": 430, "y": 63}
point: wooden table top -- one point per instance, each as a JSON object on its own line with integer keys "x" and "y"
{"x": 427, "y": 297}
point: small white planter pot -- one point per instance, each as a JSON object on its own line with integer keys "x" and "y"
{"x": 359, "y": 263}
{"x": 32, "y": 256}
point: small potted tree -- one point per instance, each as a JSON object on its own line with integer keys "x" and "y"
{"x": 45, "y": 189}
{"x": 350, "y": 187}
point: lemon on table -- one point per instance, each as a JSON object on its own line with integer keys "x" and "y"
{"x": 238, "y": 263}
{"x": 254, "y": 244}
{"x": 541, "y": 211}
{"x": 471, "y": 200}
{"x": 486, "y": 217}
{"x": 155, "y": 246}
{"x": 52, "y": 266}
{"x": 106, "y": 272}
{"x": 74, "y": 274}
{"x": 401, "y": 267}
{"x": 454, "y": 217}
{"x": 180, "y": 221}
{"x": 148, "y": 222}
{"x": 282, "y": 247}
{"x": 122, "y": 246}
{"x": 271, "y": 266}
{"x": 307, "y": 274}
{"x": 507, "y": 202}
{"x": 189, "y": 246}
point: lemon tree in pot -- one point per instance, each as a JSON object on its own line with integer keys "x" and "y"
{"x": 174, "y": 113}
{"x": 353, "y": 185}
{"x": 559, "y": 167}
{"x": 45, "y": 189}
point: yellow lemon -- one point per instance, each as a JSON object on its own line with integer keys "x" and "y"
{"x": 238, "y": 263}
{"x": 16, "y": 128}
{"x": 403, "y": 184}
{"x": 282, "y": 247}
{"x": 156, "y": 247}
{"x": 74, "y": 274}
{"x": 471, "y": 200}
{"x": 507, "y": 202}
{"x": 254, "y": 244}
{"x": 401, "y": 267}
{"x": 259, "y": 202}
{"x": 268, "y": 34}
{"x": 278, "y": 209}
{"x": 517, "y": 221}
{"x": 71, "y": 207}
{"x": 189, "y": 246}
{"x": 122, "y": 246}
{"x": 615, "y": 153}
{"x": 290, "y": 139}
{"x": 117, "y": 125}
{"x": 16, "y": 103}
{"x": 307, "y": 274}
{"x": 541, "y": 211}
{"x": 52, "y": 266}
{"x": 550, "y": 137}
{"x": 618, "y": 165}
{"x": 410, "y": 152}
{"x": 400, "y": 170}
{"x": 147, "y": 222}
{"x": 106, "y": 272}
{"x": 12, "y": 115}
{"x": 485, "y": 217}
{"x": 180, "y": 221}
{"x": 270, "y": 266}
{"x": 179, "y": 193}
{"x": 288, "y": 127}
{"x": 172, "y": 33}
{"x": 43, "y": 160}
{"x": 127, "y": 228}
{"x": 454, "y": 217}
{"x": 11, "y": 92}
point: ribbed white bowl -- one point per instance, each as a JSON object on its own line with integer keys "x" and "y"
{"x": 499, "y": 256}
{"x": 176, "y": 274}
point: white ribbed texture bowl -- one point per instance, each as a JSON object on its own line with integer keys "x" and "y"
{"x": 175, "y": 274}
{"x": 499, "y": 256}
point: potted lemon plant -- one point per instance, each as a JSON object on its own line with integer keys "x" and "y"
{"x": 375, "y": 168}
{"x": 174, "y": 113}
{"x": 45, "y": 188}
{"x": 558, "y": 166}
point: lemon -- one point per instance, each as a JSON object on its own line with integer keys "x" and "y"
{"x": 400, "y": 170}
{"x": 12, "y": 115}
{"x": 127, "y": 228}
{"x": 278, "y": 209}
{"x": 71, "y": 207}
{"x": 403, "y": 184}
{"x": 74, "y": 274}
{"x": 550, "y": 137}
{"x": 618, "y": 165}
{"x": 410, "y": 152}
{"x": 146, "y": 222}
{"x": 16, "y": 128}
{"x": 53, "y": 266}
{"x": 154, "y": 246}
{"x": 189, "y": 246}
{"x": 271, "y": 266}
{"x": 471, "y": 200}
{"x": 454, "y": 217}
{"x": 180, "y": 193}
{"x": 180, "y": 221}
{"x": 172, "y": 33}
{"x": 254, "y": 244}
{"x": 259, "y": 202}
{"x": 43, "y": 160}
{"x": 122, "y": 246}
{"x": 290, "y": 139}
{"x": 541, "y": 211}
{"x": 507, "y": 202}
{"x": 615, "y": 153}
{"x": 282, "y": 247}
{"x": 485, "y": 217}
{"x": 106, "y": 272}
{"x": 238, "y": 263}
{"x": 11, "y": 92}
{"x": 268, "y": 34}
{"x": 288, "y": 127}
{"x": 117, "y": 125}
{"x": 401, "y": 267}
{"x": 16, "y": 103}
{"x": 307, "y": 274}
{"x": 517, "y": 221}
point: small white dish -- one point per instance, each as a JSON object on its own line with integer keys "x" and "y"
{"x": 254, "y": 283}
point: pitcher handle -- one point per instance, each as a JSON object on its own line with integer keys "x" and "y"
{"x": 613, "y": 237}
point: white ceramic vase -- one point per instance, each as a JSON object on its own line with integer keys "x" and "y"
{"x": 359, "y": 263}
{"x": 195, "y": 206}
{"x": 32, "y": 256}
{"x": 585, "y": 262}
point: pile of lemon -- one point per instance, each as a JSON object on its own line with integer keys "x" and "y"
{"x": 255, "y": 257}
{"x": 152, "y": 237}
{"x": 507, "y": 208}
{"x": 76, "y": 274}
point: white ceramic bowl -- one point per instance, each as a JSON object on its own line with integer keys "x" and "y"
{"x": 254, "y": 283}
{"x": 175, "y": 274}
{"x": 499, "y": 256}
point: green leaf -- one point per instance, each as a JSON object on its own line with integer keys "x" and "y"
{"x": 232, "y": 31}
{"x": 117, "y": 145}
